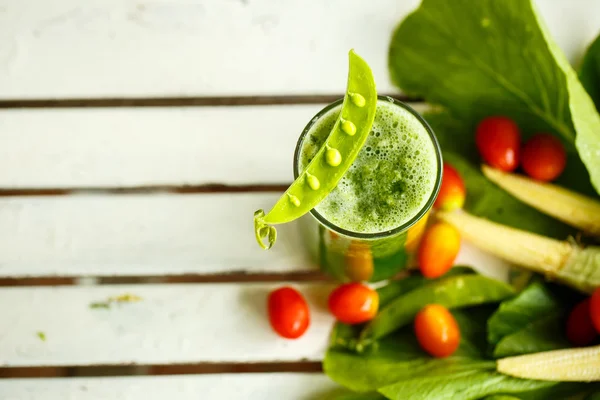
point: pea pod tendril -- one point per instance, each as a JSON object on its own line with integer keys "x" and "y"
{"x": 333, "y": 159}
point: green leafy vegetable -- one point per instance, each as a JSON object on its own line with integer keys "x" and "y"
{"x": 543, "y": 334}
{"x": 399, "y": 356}
{"x": 41, "y": 335}
{"x": 453, "y": 292}
{"x": 495, "y": 59}
{"x": 534, "y": 302}
{"x": 468, "y": 385}
{"x": 589, "y": 72}
{"x": 593, "y": 396}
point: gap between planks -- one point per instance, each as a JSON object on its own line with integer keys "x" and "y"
{"x": 180, "y": 101}
{"x": 199, "y": 189}
{"x": 232, "y": 277}
{"x": 160, "y": 369}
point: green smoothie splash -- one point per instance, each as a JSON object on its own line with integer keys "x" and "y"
{"x": 336, "y": 155}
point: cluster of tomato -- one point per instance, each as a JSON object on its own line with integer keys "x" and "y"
{"x": 542, "y": 157}
{"x": 350, "y": 303}
{"x": 353, "y": 303}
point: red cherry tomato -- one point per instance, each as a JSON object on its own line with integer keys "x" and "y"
{"x": 595, "y": 309}
{"x": 353, "y": 303}
{"x": 437, "y": 331}
{"x": 452, "y": 191}
{"x": 288, "y": 312}
{"x": 498, "y": 140}
{"x": 580, "y": 330}
{"x": 543, "y": 157}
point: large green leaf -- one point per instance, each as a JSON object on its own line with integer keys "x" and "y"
{"x": 589, "y": 72}
{"x": 534, "y": 302}
{"x": 488, "y": 57}
{"x": 541, "y": 334}
{"x": 468, "y": 385}
{"x": 399, "y": 356}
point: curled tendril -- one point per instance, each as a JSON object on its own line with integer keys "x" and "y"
{"x": 263, "y": 231}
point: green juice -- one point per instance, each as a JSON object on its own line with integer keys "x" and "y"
{"x": 370, "y": 224}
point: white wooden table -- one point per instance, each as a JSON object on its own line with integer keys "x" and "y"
{"x": 136, "y": 140}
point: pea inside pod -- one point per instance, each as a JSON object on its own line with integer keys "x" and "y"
{"x": 333, "y": 159}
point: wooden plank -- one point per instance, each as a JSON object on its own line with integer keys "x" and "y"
{"x": 142, "y": 235}
{"x": 186, "y": 323}
{"x": 128, "y": 147}
{"x": 137, "y": 235}
{"x": 132, "y": 147}
{"x": 115, "y": 48}
{"x": 139, "y": 48}
{"x": 194, "y": 387}
{"x": 179, "y": 323}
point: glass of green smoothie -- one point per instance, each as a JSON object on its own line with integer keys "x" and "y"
{"x": 369, "y": 227}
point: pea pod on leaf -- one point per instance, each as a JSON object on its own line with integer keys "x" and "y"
{"x": 333, "y": 159}
{"x": 394, "y": 289}
{"x": 454, "y": 292}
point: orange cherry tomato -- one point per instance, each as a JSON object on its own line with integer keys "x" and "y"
{"x": 595, "y": 309}
{"x": 580, "y": 330}
{"x": 438, "y": 250}
{"x": 288, "y": 312}
{"x": 498, "y": 140}
{"x": 543, "y": 157}
{"x": 353, "y": 303}
{"x": 452, "y": 191}
{"x": 437, "y": 331}
{"x": 358, "y": 262}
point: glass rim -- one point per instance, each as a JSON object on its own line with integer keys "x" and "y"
{"x": 390, "y": 232}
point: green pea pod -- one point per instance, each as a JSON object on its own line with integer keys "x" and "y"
{"x": 400, "y": 287}
{"x": 454, "y": 292}
{"x": 333, "y": 159}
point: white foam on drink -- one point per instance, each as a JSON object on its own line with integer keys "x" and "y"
{"x": 391, "y": 179}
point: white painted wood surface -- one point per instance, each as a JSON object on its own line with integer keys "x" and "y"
{"x": 176, "y": 323}
{"x": 142, "y": 235}
{"x": 288, "y": 386}
{"x": 136, "y": 235}
{"x": 100, "y": 48}
{"x": 128, "y": 147}
{"x": 138, "y": 48}
{"x": 180, "y": 323}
